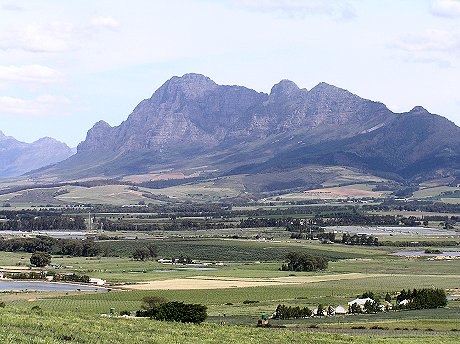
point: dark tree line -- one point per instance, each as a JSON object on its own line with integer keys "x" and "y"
{"x": 359, "y": 239}
{"x": 426, "y": 298}
{"x": 42, "y": 223}
{"x": 171, "y": 225}
{"x": 287, "y": 312}
{"x": 41, "y": 243}
{"x": 304, "y": 262}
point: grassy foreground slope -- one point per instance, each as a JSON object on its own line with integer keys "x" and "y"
{"x": 18, "y": 326}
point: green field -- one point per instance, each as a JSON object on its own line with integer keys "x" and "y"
{"x": 232, "y": 255}
{"x": 28, "y": 326}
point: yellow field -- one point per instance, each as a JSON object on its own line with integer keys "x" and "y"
{"x": 209, "y": 282}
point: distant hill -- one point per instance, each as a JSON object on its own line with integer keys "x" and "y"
{"x": 17, "y": 158}
{"x": 191, "y": 124}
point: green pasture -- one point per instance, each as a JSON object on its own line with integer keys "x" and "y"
{"x": 231, "y": 301}
{"x": 397, "y": 265}
{"x": 237, "y": 250}
{"x": 432, "y": 192}
{"x": 27, "y": 326}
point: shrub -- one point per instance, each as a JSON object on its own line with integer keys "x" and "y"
{"x": 176, "y": 311}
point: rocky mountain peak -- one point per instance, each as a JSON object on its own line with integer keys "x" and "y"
{"x": 19, "y": 157}
{"x": 419, "y": 109}
{"x": 331, "y": 91}
{"x": 188, "y": 86}
{"x": 284, "y": 87}
{"x": 95, "y": 137}
{"x": 101, "y": 125}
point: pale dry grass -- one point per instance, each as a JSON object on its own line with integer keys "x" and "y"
{"x": 202, "y": 282}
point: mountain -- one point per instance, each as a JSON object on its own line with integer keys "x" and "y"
{"x": 17, "y": 158}
{"x": 192, "y": 123}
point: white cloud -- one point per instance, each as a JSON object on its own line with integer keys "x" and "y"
{"x": 30, "y": 73}
{"x": 11, "y": 7}
{"x": 432, "y": 40}
{"x": 440, "y": 62}
{"x": 446, "y": 8}
{"x": 54, "y": 37}
{"x": 341, "y": 10}
{"x": 105, "y": 22}
{"x": 45, "y": 105}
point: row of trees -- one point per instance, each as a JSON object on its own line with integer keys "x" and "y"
{"x": 283, "y": 312}
{"x": 42, "y": 243}
{"x": 42, "y": 223}
{"x": 422, "y": 299}
{"x": 304, "y": 262}
{"x": 359, "y": 239}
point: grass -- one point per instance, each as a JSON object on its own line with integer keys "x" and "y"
{"x": 83, "y": 310}
{"x": 26, "y": 326}
{"x": 238, "y": 250}
{"x": 232, "y": 301}
{"x": 432, "y": 192}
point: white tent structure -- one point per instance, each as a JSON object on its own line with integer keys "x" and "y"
{"x": 404, "y": 302}
{"x": 340, "y": 310}
{"x": 360, "y": 302}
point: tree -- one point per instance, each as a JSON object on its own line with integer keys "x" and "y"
{"x": 354, "y": 308}
{"x": 141, "y": 253}
{"x": 388, "y": 297}
{"x": 304, "y": 262}
{"x": 372, "y": 307}
{"x": 320, "y": 310}
{"x": 146, "y": 252}
{"x": 40, "y": 259}
{"x": 175, "y": 311}
{"x": 368, "y": 294}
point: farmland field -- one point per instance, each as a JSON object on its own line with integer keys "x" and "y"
{"x": 236, "y": 270}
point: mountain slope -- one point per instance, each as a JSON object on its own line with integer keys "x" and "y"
{"x": 17, "y": 158}
{"x": 191, "y": 122}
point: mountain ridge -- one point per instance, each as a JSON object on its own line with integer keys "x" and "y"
{"x": 191, "y": 121}
{"x": 17, "y": 157}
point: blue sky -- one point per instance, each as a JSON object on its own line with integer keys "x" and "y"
{"x": 64, "y": 65}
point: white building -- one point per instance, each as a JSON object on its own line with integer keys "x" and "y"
{"x": 97, "y": 281}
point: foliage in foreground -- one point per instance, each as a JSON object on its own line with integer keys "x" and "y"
{"x": 32, "y": 327}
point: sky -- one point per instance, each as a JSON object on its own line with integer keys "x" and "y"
{"x": 64, "y": 65}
